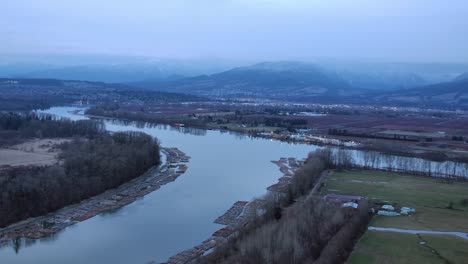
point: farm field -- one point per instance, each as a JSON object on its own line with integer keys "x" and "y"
{"x": 377, "y": 123}
{"x": 384, "y": 247}
{"x": 430, "y": 197}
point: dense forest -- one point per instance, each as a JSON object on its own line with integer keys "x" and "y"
{"x": 29, "y": 94}
{"x": 91, "y": 163}
{"x": 242, "y": 118}
{"x": 308, "y": 231}
{"x": 16, "y": 127}
{"x": 116, "y": 111}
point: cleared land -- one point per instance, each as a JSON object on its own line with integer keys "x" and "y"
{"x": 382, "y": 247}
{"x": 33, "y": 152}
{"x": 152, "y": 180}
{"x": 430, "y": 197}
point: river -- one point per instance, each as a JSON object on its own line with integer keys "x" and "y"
{"x": 224, "y": 168}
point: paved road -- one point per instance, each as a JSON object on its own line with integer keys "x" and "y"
{"x": 410, "y": 231}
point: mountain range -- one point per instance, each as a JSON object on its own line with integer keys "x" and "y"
{"x": 259, "y": 80}
{"x": 303, "y": 82}
{"x": 289, "y": 80}
{"x": 462, "y": 77}
{"x": 109, "y": 69}
{"x": 448, "y": 94}
{"x": 371, "y": 75}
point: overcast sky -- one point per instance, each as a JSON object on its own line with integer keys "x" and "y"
{"x": 397, "y": 30}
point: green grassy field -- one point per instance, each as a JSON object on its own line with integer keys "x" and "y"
{"x": 385, "y": 247}
{"x": 429, "y": 196}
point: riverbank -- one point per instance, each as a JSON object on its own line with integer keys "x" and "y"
{"x": 317, "y": 132}
{"x": 152, "y": 180}
{"x": 240, "y": 214}
{"x": 299, "y": 225}
{"x": 445, "y": 169}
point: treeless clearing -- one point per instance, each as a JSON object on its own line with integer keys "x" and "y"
{"x": 384, "y": 247}
{"x": 32, "y": 152}
{"x": 429, "y": 196}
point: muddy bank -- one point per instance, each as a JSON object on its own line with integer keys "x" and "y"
{"x": 152, "y": 180}
{"x": 287, "y": 167}
{"x": 238, "y": 216}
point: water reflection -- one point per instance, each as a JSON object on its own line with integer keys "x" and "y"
{"x": 225, "y": 168}
{"x": 377, "y": 160}
{"x": 190, "y": 131}
{"x": 19, "y": 244}
{"x": 143, "y": 125}
{"x": 359, "y": 158}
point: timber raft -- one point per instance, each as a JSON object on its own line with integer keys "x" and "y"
{"x": 152, "y": 180}
{"x": 239, "y": 215}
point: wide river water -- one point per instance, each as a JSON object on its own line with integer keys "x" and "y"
{"x": 224, "y": 168}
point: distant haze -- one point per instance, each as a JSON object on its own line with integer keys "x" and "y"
{"x": 243, "y": 30}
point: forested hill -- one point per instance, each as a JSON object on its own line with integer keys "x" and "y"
{"x": 27, "y": 94}
{"x": 449, "y": 94}
{"x": 308, "y": 83}
{"x": 462, "y": 77}
{"x": 263, "y": 80}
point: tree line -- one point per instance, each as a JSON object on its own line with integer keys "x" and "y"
{"x": 308, "y": 231}
{"x": 20, "y": 126}
{"x": 29, "y": 94}
{"x": 246, "y": 118}
{"x": 91, "y": 163}
{"x": 427, "y": 165}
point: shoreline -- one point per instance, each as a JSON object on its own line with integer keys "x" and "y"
{"x": 317, "y": 140}
{"x": 112, "y": 199}
{"x": 240, "y": 214}
{"x": 318, "y": 143}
